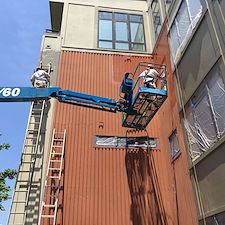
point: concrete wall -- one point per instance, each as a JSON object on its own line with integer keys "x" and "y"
{"x": 85, "y": 37}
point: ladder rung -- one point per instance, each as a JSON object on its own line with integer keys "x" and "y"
{"x": 57, "y": 146}
{"x": 31, "y": 137}
{"x": 53, "y": 160}
{"x": 51, "y": 186}
{"x": 56, "y": 153}
{"x": 49, "y": 206}
{"x": 55, "y": 177}
{"x": 30, "y": 131}
{"x": 54, "y": 168}
{"x": 29, "y": 153}
{"x": 58, "y": 139}
{"x": 20, "y": 191}
{"x": 37, "y": 109}
{"x": 29, "y": 145}
{"x": 27, "y": 162}
{"x": 23, "y": 180}
{"x": 36, "y": 122}
{"x": 51, "y": 195}
{"x": 24, "y": 171}
{"x": 36, "y": 113}
{"x": 47, "y": 216}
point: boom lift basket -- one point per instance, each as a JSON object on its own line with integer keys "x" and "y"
{"x": 146, "y": 101}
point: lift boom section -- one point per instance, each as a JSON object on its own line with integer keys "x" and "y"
{"x": 138, "y": 104}
{"x": 29, "y": 94}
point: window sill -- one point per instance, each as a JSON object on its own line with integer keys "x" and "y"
{"x": 176, "y": 157}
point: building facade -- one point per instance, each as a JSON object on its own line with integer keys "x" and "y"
{"x": 198, "y": 61}
{"x": 89, "y": 48}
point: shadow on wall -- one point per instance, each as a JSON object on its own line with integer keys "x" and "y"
{"x": 147, "y": 207}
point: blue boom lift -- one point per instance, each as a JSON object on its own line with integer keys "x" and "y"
{"x": 138, "y": 104}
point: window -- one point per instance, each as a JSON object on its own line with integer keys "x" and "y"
{"x": 174, "y": 144}
{"x": 205, "y": 115}
{"x": 121, "y": 31}
{"x": 183, "y": 25}
{"x": 125, "y": 141}
{"x": 167, "y": 4}
{"x": 156, "y": 17}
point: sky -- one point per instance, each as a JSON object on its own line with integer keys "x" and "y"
{"x": 22, "y": 25}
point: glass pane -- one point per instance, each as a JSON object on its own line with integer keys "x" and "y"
{"x": 121, "y": 16}
{"x": 205, "y": 123}
{"x": 155, "y": 5}
{"x": 126, "y": 141}
{"x": 167, "y": 4}
{"x": 156, "y": 19}
{"x": 105, "y": 44}
{"x": 138, "y": 47}
{"x": 105, "y": 29}
{"x": 192, "y": 130}
{"x": 121, "y": 31}
{"x": 174, "y": 144}
{"x": 183, "y": 21}
{"x": 122, "y": 46}
{"x": 217, "y": 94}
{"x": 158, "y": 29}
{"x": 195, "y": 10}
{"x": 136, "y": 18}
{"x": 105, "y": 15}
{"x": 104, "y": 140}
{"x": 174, "y": 40}
{"x": 121, "y": 141}
{"x": 137, "y": 32}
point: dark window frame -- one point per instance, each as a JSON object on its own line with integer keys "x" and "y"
{"x": 128, "y": 22}
{"x": 174, "y": 152}
{"x": 156, "y": 17}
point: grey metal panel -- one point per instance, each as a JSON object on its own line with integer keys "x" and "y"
{"x": 198, "y": 59}
{"x": 222, "y": 5}
{"x": 218, "y": 14}
{"x": 211, "y": 178}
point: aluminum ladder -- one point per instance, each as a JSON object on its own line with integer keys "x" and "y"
{"x": 24, "y": 181}
{"x": 49, "y": 206}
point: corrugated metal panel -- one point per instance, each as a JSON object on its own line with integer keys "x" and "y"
{"x": 111, "y": 185}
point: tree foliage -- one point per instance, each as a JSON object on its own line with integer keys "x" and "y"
{"x": 6, "y": 174}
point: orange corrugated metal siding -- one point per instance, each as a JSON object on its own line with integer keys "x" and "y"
{"x": 108, "y": 186}
{"x": 179, "y": 190}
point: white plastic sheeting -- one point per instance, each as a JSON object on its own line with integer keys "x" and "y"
{"x": 125, "y": 141}
{"x": 205, "y": 116}
{"x": 183, "y": 25}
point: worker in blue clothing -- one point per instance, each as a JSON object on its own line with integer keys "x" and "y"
{"x": 40, "y": 78}
{"x": 148, "y": 76}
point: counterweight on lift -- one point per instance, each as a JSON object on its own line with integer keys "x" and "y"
{"x": 138, "y": 104}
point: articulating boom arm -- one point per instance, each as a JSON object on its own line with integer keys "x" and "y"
{"x": 138, "y": 103}
{"x": 29, "y": 94}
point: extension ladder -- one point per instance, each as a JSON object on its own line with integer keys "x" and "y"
{"x": 51, "y": 190}
{"x": 24, "y": 181}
